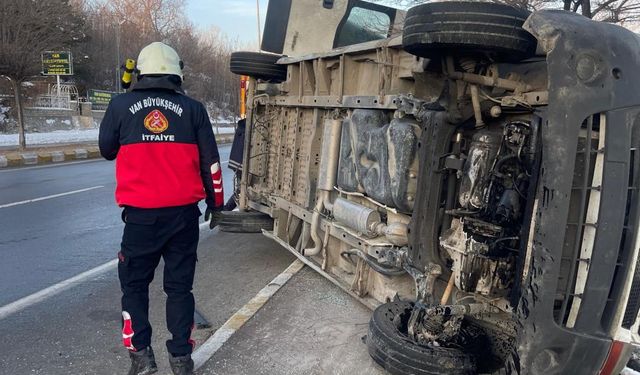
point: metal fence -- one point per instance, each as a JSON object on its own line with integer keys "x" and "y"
{"x": 64, "y": 89}
{"x": 50, "y": 102}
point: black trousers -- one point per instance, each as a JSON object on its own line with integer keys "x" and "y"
{"x": 171, "y": 233}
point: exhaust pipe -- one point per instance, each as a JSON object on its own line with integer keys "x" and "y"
{"x": 367, "y": 221}
{"x": 327, "y": 175}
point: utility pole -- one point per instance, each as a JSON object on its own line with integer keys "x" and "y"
{"x": 259, "y": 28}
{"x": 117, "y": 58}
{"x": 118, "y": 62}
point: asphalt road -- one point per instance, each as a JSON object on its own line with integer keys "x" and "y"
{"x": 48, "y": 241}
{"x": 304, "y": 330}
{"x": 44, "y": 242}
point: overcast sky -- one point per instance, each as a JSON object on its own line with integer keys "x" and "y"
{"x": 236, "y": 18}
{"x": 233, "y": 17}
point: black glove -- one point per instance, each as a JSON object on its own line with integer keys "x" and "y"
{"x": 215, "y": 214}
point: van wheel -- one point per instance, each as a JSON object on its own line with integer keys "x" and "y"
{"x": 245, "y": 222}
{"x": 389, "y": 345}
{"x": 258, "y": 65}
{"x": 467, "y": 28}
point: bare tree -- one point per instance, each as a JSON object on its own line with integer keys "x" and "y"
{"x": 125, "y": 26}
{"x": 616, "y": 11}
{"x": 28, "y": 27}
{"x": 205, "y": 52}
{"x": 155, "y": 19}
{"x": 206, "y": 56}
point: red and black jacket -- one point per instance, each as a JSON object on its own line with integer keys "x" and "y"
{"x": 162, "y": 140}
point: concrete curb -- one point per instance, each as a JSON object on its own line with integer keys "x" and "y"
{"x": 29, "y": 159}
{"x": 55, "y": 157}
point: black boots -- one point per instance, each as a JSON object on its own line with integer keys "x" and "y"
{"x": 143, "y": 362}
{"x": 181, "y": 365}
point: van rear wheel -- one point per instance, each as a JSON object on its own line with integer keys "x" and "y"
{"x": 258, "y": 65}
{"x": 495, "y": 30}
{"x": 245, "y": 222}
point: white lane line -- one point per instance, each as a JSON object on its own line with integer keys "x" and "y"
{"x": 50, "y": 197}
{"x": 60, "y": 164}
{"x": 237, "y": 320}
{"x": 60, "y": 287}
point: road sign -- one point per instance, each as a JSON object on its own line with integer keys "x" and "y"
{"x": 100, "y": 99}
{"x": 57, "y": 63}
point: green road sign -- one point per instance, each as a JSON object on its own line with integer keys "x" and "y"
{"x": 57, "y": 63}
{"x": 100, "y": 99}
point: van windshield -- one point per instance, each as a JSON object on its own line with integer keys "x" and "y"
{"x": 363, "y": 25}
{"x": 397, "y": 4}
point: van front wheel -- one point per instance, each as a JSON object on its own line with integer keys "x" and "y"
{"x": 389, "y": 345}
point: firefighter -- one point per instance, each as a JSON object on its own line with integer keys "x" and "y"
{"x": 166, "y": 162}
{"x": 235, "y": 162}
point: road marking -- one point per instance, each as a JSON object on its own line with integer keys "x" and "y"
{"x": 50, "y": 197}
{"x": 60, "y": 287}
{"x": 224, "y": 162}
{"x": 237, "y": 320}
{"x": 60, "y": 164}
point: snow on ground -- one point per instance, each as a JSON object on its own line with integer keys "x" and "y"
{"x": 59, "y": 136}
{"x": 3, "y": 112}
{"x": 628, "y": 371}
{"x": 70, "y": 136}
{"x": 224, "y": 120}
{"x": 224, "y": 130}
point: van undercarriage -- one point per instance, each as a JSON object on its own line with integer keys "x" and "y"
{"x": 486, "y": 206}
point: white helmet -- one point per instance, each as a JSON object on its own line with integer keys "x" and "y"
{"x": 159, "y": 58}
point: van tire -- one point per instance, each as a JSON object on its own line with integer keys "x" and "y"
{"x": 467, "y": 28}
{"x": 258, "y": 65}
{"x": 245, "y": 222}
{"x": 392, "y": 350}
